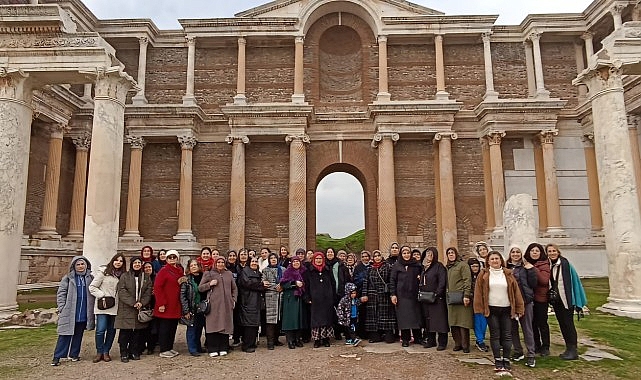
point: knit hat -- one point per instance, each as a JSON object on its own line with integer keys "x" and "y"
{"x": 173, "y": 252}
{"x": 472, "y": 260}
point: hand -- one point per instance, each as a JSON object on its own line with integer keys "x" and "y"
{"x": 527, "y": 265}
{"x": 279, "y": 288}
{"x": 161, "y": 309}
{"x": 364, "y": 299}
{"x": 466, "y": 301}
{"x": 266, "y": 284}
{"x": 187, "y": 316}
{"x": 394, "y": 300}
{"x": 137, "y": 305}
{"x": 213, "y": 282}
{"x": 299, "y": 284}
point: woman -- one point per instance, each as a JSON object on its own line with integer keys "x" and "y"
{"x": 459, "y": 280}
{"x": 566, "y": 282}
{"x": 320, "y": 293}
{"x": 104, "y": 288}
{"x": 482, "y": 250}
{"x": 241, "y": 263}
{"x": 232, "y": 261}
{"x": 498, "y": 297}
{"x": 271, "y": 276}
{"x": 150, "y": 333}
{"x": 283, "y": 257}
{"x": 251, "y": 287}
{"x": 222, "y": 292}
{"x": 147, "y": 254}
{"x": 525, "y": 275}
{"x": 480, "y": 322}
{"x": 404, "y": 295}
{"x": 205, "y": 260}
{"x": 190, "y": 298}
{"x": 293, "y": 321}
{"x": 434, "y": 279}
{"x": 167, "y": 309}
{"x": 341, "y": 277}
{"x": 535, "y": 255}
{"x": 75, "y": 310}
{"x": 134, "y": 294}
{"x": 394, "y": 252}
{"x": 359, "y": 276}
{"x": 381, "y": 316}
{"x": 160, "y": 261}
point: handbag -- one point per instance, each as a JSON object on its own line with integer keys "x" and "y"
{"x": 145, "y": 315}
{"x": 424, "y": 296}
{"x": 455, "y": 298}
{"x": 553, "y": 292}
{"x": 204, "y": 306}
{"x": 385, "y": 285}
{"x": 105, "y": 303}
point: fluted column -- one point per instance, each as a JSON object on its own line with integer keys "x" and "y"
{"x": 441, "y": 94}
{"x": 498, "y": 181}
{"x": 633, "y": 124}
{"x": 490, "y": 93}
{"x": 541, "y": 92}
{"x": 446, "y": 185}
{"x": 132, "y": 233}
{"x": 593, "y": 185}
{"x": 615, "y": 11}
{"x": 187, "y": 144}
{"x": 297, "y": 191}
{"x": 189, "y": 99}
{"x": 240, "y": 97}
{"x": 82, "y": 144}
{"x": 551, "y": 186}
{"x": 52, "y": 184}
{"x": 299, "y": 72}
{"x": 487, "y": 186}
{"x": 139, "y": 98}
{"x": 237, "y": 192}
{"x": 540, "y": 186}
{"x": 15, "y": 129}
{"x": 383, "y": 86}
{"x": 102, "y": 217}
{"x": 529, "y": 68}
{"x": 387, "y": 227}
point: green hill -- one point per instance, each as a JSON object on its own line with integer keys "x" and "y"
{"x": 352, "y": 243}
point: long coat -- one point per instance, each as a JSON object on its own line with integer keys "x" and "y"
{"x": 251, "y": 287}
{"x": 67, "y": 298}
{"x": 167, "y": 292}
{"x": 127, "y": 317}
{"x": 104, "y": 286}
{"x": 380, "y": 310}
{"x": 222, "y": 298}
{"x": 434, "y": 279}
{"x": 459, "y": 279}
{"x": 404, "y": 285}
{"x": 272, "y": 295}
{"x": 482, "y": 294}
{"x": 319, "y": 290}
{"x": 292, "y": 318}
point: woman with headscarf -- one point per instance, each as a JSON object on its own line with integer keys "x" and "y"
{"x": 320, "y": 293}
{"x": 168, "y": 309}
{"x": 293, "y": 288}
{"x": 150, "y": 333}
{"x": 283, "y": 257}
{"x": 272, "y": 275}
{"x": 190, "y": 299}
{"x": 459, "y": 315}
{"x": 359, "y": 276}
{"x": 134, "y": 294}
{"x": 222, "y": 294}
{"x": 104, "y": 288}
{"x": 341, "y": 276}
{"x": 160, "y": 261}
{"x": 147, "y": 254}
{"x": 404, "y": 295}
{"x": 535, "y": 255}
{"x": 434, "y": 279}
{"x": 381, "y": 316}
{"x": 75, "y": 309}
{"x": 252, "y": 288}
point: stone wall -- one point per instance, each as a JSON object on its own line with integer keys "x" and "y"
{"x": 465, "y": 73}
{"x": 129, "y": 57}
{"x": 559, "y": 69}
{"x": 215, "y": 75}
{"x": 166, "y": 75}
{"x": 412, "y": 71}
{"x": 269, "y": 73}
{"x": 509, "y": 69}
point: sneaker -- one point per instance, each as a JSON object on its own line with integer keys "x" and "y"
{"x": 55, "y": 362}
{"x": 498, "y": 365}
{"x": 348, "y": 342}
{"x": 174, "y": 352}
{"x": 545, "y": 351}
{"x": 167, "y": 354}
{"x": 356, "y": 342}
{"x": 222, "y": 353}
{"x": 531, "y": 362}
{"x": 507, "y": 365}
{"x": 481, "y": 346}
{"x": 76, "y": 359}
{"x": 518, "y": 356}
{"x": 213, "y": 354}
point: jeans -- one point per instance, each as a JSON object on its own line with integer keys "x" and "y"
{"x": 105, "y": 332}
{"x": 69, "y": 345}
{"x": 195, "y": 333}
{"x": 480, "y": 325}
{"x": 540, "y": 326}
{"x": 500, "y": 325}
{"x": 528, "y": 334}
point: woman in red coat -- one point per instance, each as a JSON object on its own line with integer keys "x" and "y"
{"x": 168, "y": 309}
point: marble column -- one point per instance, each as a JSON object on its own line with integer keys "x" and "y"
{"x": 618, "y": 190}
{"x": 490, "y": 222}
{"x": 589, "y": 46}
{"x": 52, "y": 184}
{"x": 189, "y": 99}
{"x": 299, "y": 71}
{"x": 187, "y": 144}
{"x": 446, "y": 184}
{"x": 15, "y": 133}
{"x": 580, "y": 66}
{"x": 593, "y": 185}
{"x": 387, "y": 227}
{"x": 139, "y": 98}
{"x": 490, "y": 93}
{"x": 132, "y": 233}
{"x": 82, "y": 144}
{"x": 541, "y": 92}
{"x": 86, "y": 95}
{"x": 633, "y": 124}
{"x": 529, "y": 68}
{"x": 102, "y": 217}
{"x": 237, "y": 192}
{"x": 498, "y": 181}
{"x": 615, "y": 11}
{"x": 441, "y": 94}
{"x": 540, "y": 186}
{"x": 240, "y": 98}
{"x": 437, "y": 199}
{"x": 383, "y": 86}
{"x": 297, "y": 191}
{"x": 554, "y": 228}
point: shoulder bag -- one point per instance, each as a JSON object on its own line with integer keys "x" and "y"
{"x": 455, "y": 298}
{"x": 385, "y": 285}
{"x": 144, "y": 314}
{"x": 425, "y": 296}
{"x": 105, "y": 303}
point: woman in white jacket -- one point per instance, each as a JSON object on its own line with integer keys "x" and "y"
{"x": 104, "y": 288}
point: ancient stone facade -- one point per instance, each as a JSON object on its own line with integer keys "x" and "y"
{"x": 234, "y": 122}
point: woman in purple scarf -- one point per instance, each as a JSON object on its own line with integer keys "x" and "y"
{"x": 292, "y": 285}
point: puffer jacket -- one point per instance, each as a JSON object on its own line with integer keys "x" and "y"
{"x": 526, "y": 279}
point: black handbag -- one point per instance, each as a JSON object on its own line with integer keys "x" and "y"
{"x": 426, "y": 297}
{"x": 105, "y": 303}
{"x": 553, "y": 292}
{"x": 455, "y": 298}
{"x": 204, "y": 307}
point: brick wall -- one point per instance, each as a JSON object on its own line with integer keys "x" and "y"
{"x": 509, "y": 69}
{"x": 129, "y": 57}
{"x": 465, "y": 73}
{"x": 166, "y": 75}
{"x": 559, "y": 69}
{"x": 412, "y": 71}
{"x": 507, "y": 151}
{"x": 270, "y": 73}
{"x": 38, "y": 154}
{"x": 215, "y": 76}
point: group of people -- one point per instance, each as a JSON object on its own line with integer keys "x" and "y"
{"x": 314, "y": 296}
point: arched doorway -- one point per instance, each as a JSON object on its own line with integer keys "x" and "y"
{"x": 340, "y": 205}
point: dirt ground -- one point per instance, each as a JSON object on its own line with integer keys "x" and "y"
{"x": 282, "y": 363}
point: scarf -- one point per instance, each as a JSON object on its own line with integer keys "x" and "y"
{"x": 376, "y": 265}
{"x": 292, "y": 274}
{"x": 117, "y": 272}
{"x": 319, "y": 268}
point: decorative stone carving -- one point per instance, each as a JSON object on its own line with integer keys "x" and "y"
{"x": 112, "y": 86}
{"x": 231, "y": 138}
{"x": 380, "y": 136}
{"x": 136, "y": 142}
{"x": 519, "y": 221}
{"x": 547, "y": 136}
{"x": 187, "y": 142}
{"x": 304, "y": 138}
{"x": 588, "y": 140}
{"x": 82, "y": 142}
{"x": 440, "y": 135}
{"x": 143, "y": 41}
{"x": 495, "y": 137}
{"x": 25, "y": 42}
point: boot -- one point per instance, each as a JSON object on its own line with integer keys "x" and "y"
{"x": 271, "y": 335}
{"x": 570, "y": 353}
{"x": 390, "y": 337}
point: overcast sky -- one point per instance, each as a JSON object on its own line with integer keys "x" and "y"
{"x": 339, "y": 196}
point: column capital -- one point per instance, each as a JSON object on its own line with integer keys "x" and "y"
{"x": 445, "y": 135}
{"x": 588, "y": 140}
{"x": 187, "y": 142}
{"x": 438, "y": 38}
{"x": 58, "y": 130}
{"x": 535, "y": 36}
{"x": 547, "y": 136}
{"x": 242, "y": 40}
{"x": 485, "y": 36}
{"x": 302, "y": 137}
{"x": 143, "y": 41}
{"x": 484, "y": 143}
{"x": 495, "y": 137}
{"x": 602, "y": 80}
{"x": 113, "y": 85}
{"x": 382, "y": 135}
{"x": 14, "y": 85}
{"x": 82, "y": 142}
{"x": 231, "y": 138}
{"x": 299, "y": 40}
{"x": 191, "y": 40}
{"x": 136, "y": 142}
{"x": 587, "y": 36}
{"x": 633, "y": 121}
{"x": 381, "y": 39}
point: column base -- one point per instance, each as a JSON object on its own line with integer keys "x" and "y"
{"x": 139, "y": 100}
{"x": 133, "y": 237}
{"x": 442, "y": 95}
{"x": 189, "y": 100}
{"x": 491, "y": 96}
{"x": 383, "y": 97}
{"x": 542, "y": 94}
{"x": 298, "y": 99}
{"x": 76, "y": 237}
{"x": 241, "y": 100}
{"x": 622, "y": 308}
{"x": 184, "y": 236}
{"x": 555, "y": 232}
{"x": 47, "y": 235}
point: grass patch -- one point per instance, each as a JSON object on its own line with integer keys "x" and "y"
{"x": 352, "y": 243}
{"x": 37, "y": 299}
{"x": 18, "y": 344}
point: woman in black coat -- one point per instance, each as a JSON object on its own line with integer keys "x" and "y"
{"x": 381, "y": 318}
{"x": 434, "y": 279}
{"x": 251, "y": 288}
{"x": 320, "y": 294}
{"x": 404, "y": 295}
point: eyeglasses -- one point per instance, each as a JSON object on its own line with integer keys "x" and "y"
{"x": 172, "y": 257}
